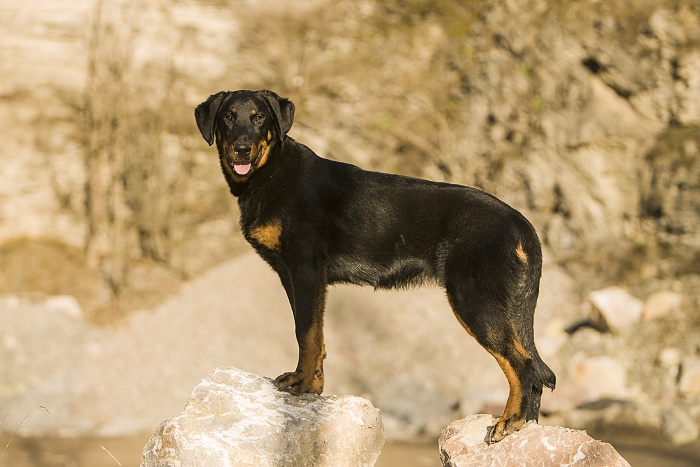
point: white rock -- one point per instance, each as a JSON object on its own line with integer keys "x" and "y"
{"x": 670, "y": 360}
{"x": 670, "y": 357}
{"x": 235, "y": 418}
{"x": 463, "y": 444}
{"x": 66, "y": 304}
{"x": 601, "y": 377}
{"x": 689, "y": 384}
{"x": 661, "y": 304}
{"x": 614, "y": 309}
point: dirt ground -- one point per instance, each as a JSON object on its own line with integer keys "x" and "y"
{"x": 126, "y": 452}
{"x": 98, "y": 452}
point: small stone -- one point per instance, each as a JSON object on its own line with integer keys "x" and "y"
{"x": 661, "y": 304}
{"x": 601, "y": 377}
{"x": 689, "y": 384}
{"x": 679, "y": 428}
{"x": 66, "y": 304}
{"x": 463, "y": 444}
{"x": 670, "y": 360}
{"x": 614, "y": 309}
{"x": 238, "y": 418}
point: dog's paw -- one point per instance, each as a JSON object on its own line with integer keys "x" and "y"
{"x": 503, "y": 427}
{"x": 297, "y": 383}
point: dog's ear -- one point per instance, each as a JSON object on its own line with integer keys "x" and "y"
{"x": 283, "y": 110}
{"x": 205, "y": 114}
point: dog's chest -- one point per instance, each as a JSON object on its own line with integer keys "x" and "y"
{"x": 266, "y": 234}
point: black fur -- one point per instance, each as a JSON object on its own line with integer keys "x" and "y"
{"x": 319, "y": 222}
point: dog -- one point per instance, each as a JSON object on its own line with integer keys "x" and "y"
{"x": 318, "y": 222}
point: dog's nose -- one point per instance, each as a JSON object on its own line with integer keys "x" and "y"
{"x": 242, "y": 148}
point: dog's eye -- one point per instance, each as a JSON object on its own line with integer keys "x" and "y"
{"x": 257, "y": 118}
{"x": 228, "y": 117}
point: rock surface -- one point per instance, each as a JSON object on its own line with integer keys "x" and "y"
{"x": 661, "y": 304}
{"x": 601, "y": 377}
{"x": 614, "y": 309}
{"x": 239, "y": 418}
{"x": 463, "y": 444}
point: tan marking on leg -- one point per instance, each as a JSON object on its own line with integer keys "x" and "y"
{"x": 513, "y": 417}
{"x": 321, "y": 358}
{"x": 317, "y": 385}
{"x": 518, "y": 346}
{"x": 515, "y": 396}
{"x": 268, "y": 234}
{"x": 520, "y": 252}
{"x": 308, "y": 376}
{"x": 311, "y": 356}
{"x": 312, "y": 352}
{"x": 516, "y": 388}
{"x": 459, "y": 318}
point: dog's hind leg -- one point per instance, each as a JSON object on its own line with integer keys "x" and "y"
{"x": 487, "y": 310}
{"x": 522, "y": 306}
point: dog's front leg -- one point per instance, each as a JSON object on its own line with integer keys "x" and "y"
{"x": 307, "y": 296}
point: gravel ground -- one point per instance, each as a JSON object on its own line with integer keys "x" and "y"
{"x": 114, "y": 381}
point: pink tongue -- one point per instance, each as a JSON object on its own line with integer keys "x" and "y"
{"x": 241, "y": 169}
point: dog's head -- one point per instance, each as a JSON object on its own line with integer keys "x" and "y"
{"x": 246, "y": 126}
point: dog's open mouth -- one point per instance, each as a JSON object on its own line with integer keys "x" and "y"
{"x": 242, "y": 168}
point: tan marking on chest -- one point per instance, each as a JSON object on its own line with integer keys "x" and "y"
{"x": 522, "y": 256}
{"x": 268, "y": 234}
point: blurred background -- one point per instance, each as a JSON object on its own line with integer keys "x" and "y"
{"x": 124, "y": 278}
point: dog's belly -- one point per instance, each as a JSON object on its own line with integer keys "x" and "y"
{"x": 387, "y": 274}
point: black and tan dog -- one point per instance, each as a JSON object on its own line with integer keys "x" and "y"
{"x": 319, "y": 222}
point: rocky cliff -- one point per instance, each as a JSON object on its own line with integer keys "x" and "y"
{"x": 585, "y": 116}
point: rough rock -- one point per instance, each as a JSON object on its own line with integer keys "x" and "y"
{"x": 678, "y": 427}
{"x": 601, "y": 377}
{"x": 238, "y": 418}
{"x": 661, "y": 304}
{"x": 463, "y": 444}
{"x": 614, "y": 309}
